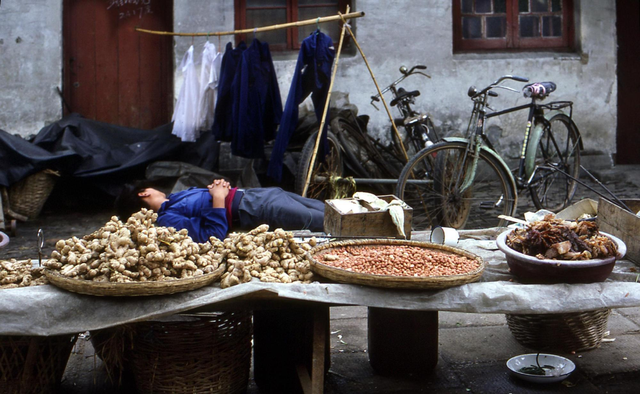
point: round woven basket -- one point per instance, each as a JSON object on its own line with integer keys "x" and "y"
{"x": 27, "y": 196}
{"x": 148, "y": 288}
{"x": 392, "y": 281}
{"x": 33, "y": 364}
{"x": 208, "y": 353}
{"x": 560, "y": 331}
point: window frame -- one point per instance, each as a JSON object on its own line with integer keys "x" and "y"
{"x": 513, "y": 42}
{"x": 292, "y": 16}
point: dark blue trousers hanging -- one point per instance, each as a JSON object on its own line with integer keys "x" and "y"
{"x": 257, "y": 106}
{"x": 312, "y": 76}
{"x": 222, "y": 121}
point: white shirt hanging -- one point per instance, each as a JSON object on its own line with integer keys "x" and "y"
{"x": 209, "y": 75}
{"x": 185, "y": 114}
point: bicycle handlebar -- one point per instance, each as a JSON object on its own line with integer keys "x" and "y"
{"x": 405, "y": 73}
{"x": 473, "y": 93}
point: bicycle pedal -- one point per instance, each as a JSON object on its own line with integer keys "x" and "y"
{"x": 488, "y": 205}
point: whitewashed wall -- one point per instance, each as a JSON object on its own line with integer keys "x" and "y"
{"x": 30, "y": 64}
{"x": 393, "y": 32}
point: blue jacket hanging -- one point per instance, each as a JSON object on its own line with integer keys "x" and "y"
{"x": 222, "y": 121}
{"x": 257, "y": 106}
{"x": 312, "y": 76}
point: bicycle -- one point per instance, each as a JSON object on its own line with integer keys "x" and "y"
{"x": 465, "y": 183}
{"x": 354, "y": 152}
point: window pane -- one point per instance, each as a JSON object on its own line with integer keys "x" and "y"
{"x": 471, "y": 28}
{"x": 539, "y": 5}
{"x": 499, "y": 6}
{"x": 266, "y": 3}
{"x": 483, "y": 6}
{"x": 467, "y": 6}
{"x": 496, "y": 27}
{"x": 556, "y": 5}
{"x": 523, "y": 5}
{"x": 551, "y": 26}
{"x": 529, "y": 26}
{"x": 331, "y": 29}
{"x": 324, "y": 2}
{"x": 259, "y": 18}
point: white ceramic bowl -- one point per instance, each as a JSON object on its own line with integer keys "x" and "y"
{"x": 563, "y": 367}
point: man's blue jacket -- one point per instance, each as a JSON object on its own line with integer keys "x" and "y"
{"x": 191, "y": 209}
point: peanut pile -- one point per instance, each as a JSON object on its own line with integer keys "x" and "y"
{"x": 135, "y": 251}
{"x": 396, "y": 260}
{"x": 270, "y": 256}
{"x": 15, "y": 273}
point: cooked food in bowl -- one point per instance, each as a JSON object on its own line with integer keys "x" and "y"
{"x": 559, "y": 239}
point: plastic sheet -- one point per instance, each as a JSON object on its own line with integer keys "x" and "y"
{"x": 47, "y": 310}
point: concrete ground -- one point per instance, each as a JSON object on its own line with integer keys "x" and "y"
{"x": 473, "y": 348}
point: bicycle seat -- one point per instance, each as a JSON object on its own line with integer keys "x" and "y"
{"x": 538, "y": 89}
{"x": 402, "y": 94}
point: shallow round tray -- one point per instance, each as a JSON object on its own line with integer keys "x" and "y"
{"x": 393, "y": 281}
{"x": 531, "y": 269}
{"x": 148, "y": 288}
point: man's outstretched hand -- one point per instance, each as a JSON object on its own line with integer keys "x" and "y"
{"x": 219, "y": 190}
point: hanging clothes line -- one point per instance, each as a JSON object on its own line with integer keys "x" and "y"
{"x": 261, "y": 29}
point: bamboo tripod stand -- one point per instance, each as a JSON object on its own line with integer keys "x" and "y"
{"x": 345, "y": 28}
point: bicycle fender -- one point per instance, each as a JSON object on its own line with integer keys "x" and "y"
{"x": 496, "y": 156}
{"x": 534, "y": 140}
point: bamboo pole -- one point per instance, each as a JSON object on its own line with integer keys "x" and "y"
{"x": 305, "y": 22}
{"x": 393, "y": 124}
{"x": 326, "y": 109}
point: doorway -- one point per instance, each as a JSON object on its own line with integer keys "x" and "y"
{"x": 113, "y": 73}
{"x": 628, "y": 135}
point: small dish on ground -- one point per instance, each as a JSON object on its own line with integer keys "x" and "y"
{"x": 530, "y": 367}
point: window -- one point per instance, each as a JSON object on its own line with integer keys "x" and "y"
{"x": 259, "y": 13}
{"x": 506, "y": 25}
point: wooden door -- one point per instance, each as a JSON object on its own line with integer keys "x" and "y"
{"x": 113, "y": 73}
{"x": 628, "y": 136}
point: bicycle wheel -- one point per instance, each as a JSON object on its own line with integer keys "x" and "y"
{"x": 431, "y": 183}
{"x": 319, "y": 183}
{"x": 558, "y": 149}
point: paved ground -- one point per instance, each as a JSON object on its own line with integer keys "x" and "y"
{"x": 473, "y": 348}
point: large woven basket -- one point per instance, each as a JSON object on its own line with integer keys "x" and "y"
{"x": 391, "y": 281}
{"x": 130, "y": 289}
{"x": 31, "y": 364}
{"x": 206, "y": 353}
{"x": 560, "y": 331}
{"x": 27, "y": 196}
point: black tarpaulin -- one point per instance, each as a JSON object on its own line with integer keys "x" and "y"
{"x": 85, "y": 148}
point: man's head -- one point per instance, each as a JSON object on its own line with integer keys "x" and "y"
{"x": 132, "y": 198}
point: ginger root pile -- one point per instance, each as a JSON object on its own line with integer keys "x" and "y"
{"x": 15, "y": 273}
{"x": 135, "y": 251}
{"x": 270, "y": 256}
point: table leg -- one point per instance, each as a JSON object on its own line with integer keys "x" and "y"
{"x": 402, "y": 342}
{"x": 291, "y": 349}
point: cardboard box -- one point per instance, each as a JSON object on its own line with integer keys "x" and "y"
{"x": 362, "y": 224}
{"x": 623, "y": 224}
{"x": 574, "y": 211}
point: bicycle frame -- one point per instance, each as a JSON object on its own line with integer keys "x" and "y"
{"x": 526, "y": 166}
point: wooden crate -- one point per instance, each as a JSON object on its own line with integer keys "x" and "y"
{"x": 623, "y": 224}
{"x": 372, "y": 223}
